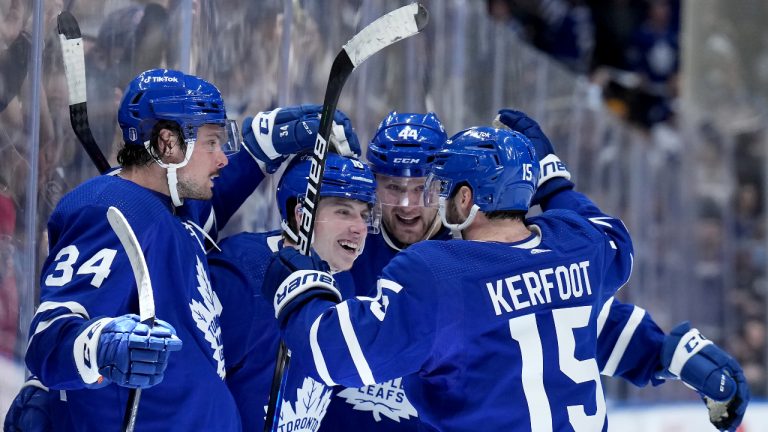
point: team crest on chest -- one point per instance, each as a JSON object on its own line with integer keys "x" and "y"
{"x": 207, "y": 316}
{"x": 312, "y": 401}
{"x": 386, "y": 399}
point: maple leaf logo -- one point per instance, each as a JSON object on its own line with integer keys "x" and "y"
{"x": 306, "y": 413}
{"x": 387, "y": 399}
{"x": 206, "y": 315}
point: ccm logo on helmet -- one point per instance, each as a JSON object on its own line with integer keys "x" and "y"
{"x": 405, "y": 160}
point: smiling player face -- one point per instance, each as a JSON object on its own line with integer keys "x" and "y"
{"x": 341, "y": 226}
{"x": 402, "y": 208}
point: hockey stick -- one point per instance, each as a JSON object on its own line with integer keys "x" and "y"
{"x": 74, "y": 68}
{"x": 130, "y": 243}
{"x": 386, "y": 30}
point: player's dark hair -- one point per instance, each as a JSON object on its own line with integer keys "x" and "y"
{"x": 506, "y": 214}
{"x": 493, "y": 215}
{"x": 135, "y": 155}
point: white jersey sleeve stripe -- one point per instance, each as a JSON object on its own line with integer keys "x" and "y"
{"x": 41, "y": 326}
{"x": 361, "y": 364}
{"x": 75, "y": 307}
{"x": 603, "y": 316}
{"x": 317, "y": 353}
{"x": 621, "y": 344}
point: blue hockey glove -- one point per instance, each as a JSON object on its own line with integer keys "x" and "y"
{"x": 272, "y": 136}
{"x": 29, "y": 411}
{"x": 554, "y": 174}
{"x": 293, "y": 278}
{"x": 718, "y": 378}
{"x": 127, "y": 352}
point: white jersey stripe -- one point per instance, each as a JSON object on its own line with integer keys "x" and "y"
{"x": 603, "y": 316}
{"x": 317, "y": 353}
{"x": 621, "y": 344}
{"x": 361, "y": 364}
{"x": 75, "y": 307}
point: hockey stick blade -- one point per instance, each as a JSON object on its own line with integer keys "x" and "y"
{"x": 385, "y": 31}
{"x": 130, "y": 243}
{"x": 74, "y": 68}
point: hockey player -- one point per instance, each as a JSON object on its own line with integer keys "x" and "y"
{"x": 531, "y": 316}
{"x": 269, "y": 137}
{"x": 400, "y": 155}
{"x": 250, "y": 333}
{"x": 84, "y": 337}
{"x": 174, "y": 127}
{"x": 630, "y": 344}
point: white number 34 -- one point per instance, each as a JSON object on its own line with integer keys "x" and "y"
{"x": 98, "y": 265}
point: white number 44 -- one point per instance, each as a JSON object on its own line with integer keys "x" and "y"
{"x": 98, "y": 265}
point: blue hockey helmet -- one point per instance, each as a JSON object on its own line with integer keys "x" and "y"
{"x": 499, "y": 165}
{"x": 343, "y": 177}
{"x": 405, "y": 144}
{"x": 166, "y": 94}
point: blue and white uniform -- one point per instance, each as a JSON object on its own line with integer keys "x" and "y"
{"x": 87, "y": 275}
{"x": 250, "y": 331}
{"x": 84, "y": 277}
{"x": 251, "y": 336}
{"x": 448, "y": 322}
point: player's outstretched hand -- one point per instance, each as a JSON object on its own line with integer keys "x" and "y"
{"x": 554, "y": 175}
{"x": 293, "y": 278}
{"x": 29, "y": 410}
{"x": 274, "y": 135}
{"x": 717, "y": 376}
{"x": 127, "y": 352}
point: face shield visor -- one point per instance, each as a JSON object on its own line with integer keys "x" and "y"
{"x": 228, "y": 140}
{"x": 436, "y": 187}
{"x": 400, "y": 191}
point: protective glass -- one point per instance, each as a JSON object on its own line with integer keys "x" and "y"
{"x": 232, "y": 144}
{"x": 233, "y": 138}
{"x": 400, "y": 191}
{"x": 434, "y": 188}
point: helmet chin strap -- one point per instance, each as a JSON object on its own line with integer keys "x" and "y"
{"x": 171, "y": 170}
{"x": 457, "y": 227}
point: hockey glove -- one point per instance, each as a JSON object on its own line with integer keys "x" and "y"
{"x": 554, "y": 175}
{"x": 705, "y": 367}
{"x": 29, "y": 411}
{"x": 127, "y": 352}
{"x": 272, "y": 136}
{"x": 293, "y": 278}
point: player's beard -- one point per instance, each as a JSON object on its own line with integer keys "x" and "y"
{"x": 188, "y": 188}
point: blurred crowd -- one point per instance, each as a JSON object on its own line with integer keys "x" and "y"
{"x": 629, "y": 49}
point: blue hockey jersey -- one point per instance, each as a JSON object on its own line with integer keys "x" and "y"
{"x": 381, "y": 406}
{"x": 251, "y": 336}
{"x": 509, "y": 346}
{"x": 87, "y": 275}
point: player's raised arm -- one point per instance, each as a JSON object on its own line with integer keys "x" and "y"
{"x": 555, "y": 192}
